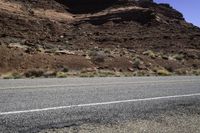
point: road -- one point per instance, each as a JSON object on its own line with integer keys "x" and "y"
{"x": 29, "y": 105}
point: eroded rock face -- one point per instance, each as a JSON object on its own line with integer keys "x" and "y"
{"x": 123, "y": 23}
{"x": 142, "y": 16}
{"x": 93, "y": 6}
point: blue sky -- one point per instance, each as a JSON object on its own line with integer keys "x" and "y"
{"x": 189, "y": 8}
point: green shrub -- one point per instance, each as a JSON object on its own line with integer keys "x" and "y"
{"x": 7, "y": 76}
{"x": 87, "y": 74}
{"x": 163, "y": 72}
{"x": 150, "y": 54}
{"x": 106, "y": 74}
{"x": 137, "y": 63}
{"x": 61, "y": 75}
{"x": 98, "y": 56}
{"x": 16, "y": 75}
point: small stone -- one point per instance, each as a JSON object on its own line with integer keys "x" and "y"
{"x": 131, "y": 69}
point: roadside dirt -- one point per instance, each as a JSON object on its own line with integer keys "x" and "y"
{"x": 177, "y": 120}
{"x": 165, "y": 124}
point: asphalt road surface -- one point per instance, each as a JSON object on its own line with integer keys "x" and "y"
{"x": 30, "y": 105}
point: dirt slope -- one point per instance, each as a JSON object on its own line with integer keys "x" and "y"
{"x": 125, "y": 36}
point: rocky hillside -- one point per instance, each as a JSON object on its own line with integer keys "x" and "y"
{"x": 87, "y": 38}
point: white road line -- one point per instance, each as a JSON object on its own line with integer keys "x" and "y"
{"x": 98, "y": 104}
{"x": 94, "y": 84}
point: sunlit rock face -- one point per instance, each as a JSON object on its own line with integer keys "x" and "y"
{"x": 92, "y": 6}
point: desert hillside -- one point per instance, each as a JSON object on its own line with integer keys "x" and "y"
{"x": 75, "y": 38}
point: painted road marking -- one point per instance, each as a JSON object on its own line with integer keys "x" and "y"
{"x": 98, "y": 104}
{"x": 95, "y": 84}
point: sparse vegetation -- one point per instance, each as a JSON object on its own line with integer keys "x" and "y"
{"x": 178, "y": 57}
{"x": 150, "y": 53}
{"x": 7, "y": 76}
{"x": 87, "y": 74}
{"x": 106, "y": 74}
{"x": 137, "y": 62}
{"x": 101, "y": 73}
{"x": 165, "y": 57}
{"x": 127, "y": 74}
{"x": 196, "y": 72}
{"x": 34, "y": 73}
{"x": 97, "y": 56}
{"x": 14, "y": 75}
{"x": 163, "y": 72}
{"x": 182, "y": 71}
{"x": 64, "y": 69}
{"x": 17, "y": 75}
{"x": 61, "y": 75}
{"x": 170, "y": 69}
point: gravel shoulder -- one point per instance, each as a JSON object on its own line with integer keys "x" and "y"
{"x": 179, "y": 120}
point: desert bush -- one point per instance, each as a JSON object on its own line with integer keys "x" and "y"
{"x": 127, "y": 74}
{"x": 61, "y": 75}
{"x": 196, "y": 72}
{"x": 40, "y": 49}
{"x": 143, "y": 73}
{"x": 61, "y": 68}
{"x": 137, "y": 62}
{"x": 7, "y": 76}
{"x": 16, "y": 75}
{"x": 65, "y": 69}
{"x": 107, "y": 51}
{"x": 150, "y": 54}
{"x": 178, "y": 57}
{"x": 34, "y": 73}
{"x": 163, "y": 72}
{"x": 170, "y": 68}
{"x": 87, "y": 74}
{"x": 165, "y": 57}
{"x": 106, "y": 74}
{"x": 98, "y": 56}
